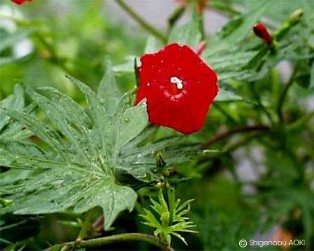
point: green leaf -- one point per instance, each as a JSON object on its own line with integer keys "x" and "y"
{"x": 127, "y": 67}
{"x": 230, "y": 60}
{"x": 108, "y": 90}
{"x": 141, "y": 156}
{"x": 241, "y": 30}
{"x": 73, "y": 168}
{"x": 188, "y": 34}
{"x": 14, "y": 102}
{"x": 230, "y": 27}
{"x": 15, "y": 131}
{"x": 102, "y": 125}
{"x": 227, "y": 95}
{"x": 83, "y": 192}
{"x": 132, "y": 122}
{"x": 39, "y": 128}
{"x": 67, "y": 116}
{"x": 171, "y": 214}
{"x": 152, "y": 45}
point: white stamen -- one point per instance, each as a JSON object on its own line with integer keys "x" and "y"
{"x": 177, "y": 81}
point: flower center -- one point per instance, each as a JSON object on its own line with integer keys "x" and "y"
{"x": 177, "y": 81}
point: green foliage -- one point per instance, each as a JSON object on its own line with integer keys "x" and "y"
{"x": 68, "y": 149}
{"x": 211, "y": 224}
{"x": 81, "y": 153}
{"x": 171, "y": 216}
{"x": 56, "y": 46}
{"x": 8, "y": 130}
{"x": 79, "y": 156}
{"x": 187, "y": 34}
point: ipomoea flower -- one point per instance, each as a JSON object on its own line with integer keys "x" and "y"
{"x": 179, "y": 88}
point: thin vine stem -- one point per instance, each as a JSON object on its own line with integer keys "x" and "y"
{"x": 242, "y": 142}
{"x": 261, "y": 105}
{"x": 141, "y": 21}
{"x": 97, "y": 242}
{"x": 283, "y": 96}
{"x": 220, "y": 136}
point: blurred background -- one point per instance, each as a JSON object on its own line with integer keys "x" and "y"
{"x": 52, "y": 37}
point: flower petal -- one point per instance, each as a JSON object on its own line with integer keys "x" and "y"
{"x": 179, "y": 88}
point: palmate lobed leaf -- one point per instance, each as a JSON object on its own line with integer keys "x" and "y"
{"x": 13, "y": 131}
{"x": 74, "y": 168}
{"x": 188, "y": 33}
{"x": 15, "y": 102}
{"x": 78, "y": 193}
{"x": 139, "y": 159}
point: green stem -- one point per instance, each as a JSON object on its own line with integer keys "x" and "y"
{"x": 283, "y": 97}
{"x": 175, "y": 16}
{"x": 233, "y": 146}
{"x": 97, "y": 242}
{"x": 141, "y": 21}
{"x": 260, "y": 104}
{"x": 86, "y": 226}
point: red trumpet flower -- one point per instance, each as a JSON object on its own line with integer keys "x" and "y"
{"x": 179, "y": 88}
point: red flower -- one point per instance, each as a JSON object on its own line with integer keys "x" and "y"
{"x": 179, "y": 88}
{"x": 261, "y": 31}
{"x": 20, "y": 1}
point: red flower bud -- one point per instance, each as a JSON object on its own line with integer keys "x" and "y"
{"x": 20, "y": 1}
{"x": 178, "y": 86}
{"x": 261, "y": 31}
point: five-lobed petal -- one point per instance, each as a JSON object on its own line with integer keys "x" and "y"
{"x": 179, "y": 88}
